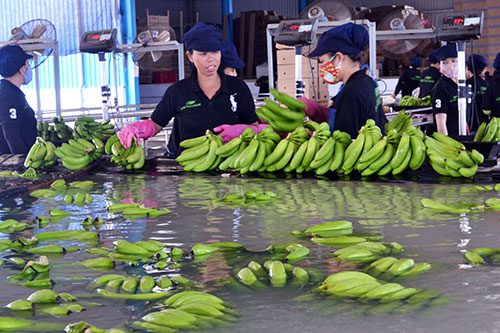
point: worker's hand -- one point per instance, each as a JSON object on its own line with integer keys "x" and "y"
{"x": 229, "y": 132}
{"x": 142, "y": 129}
{"x": 315, "y": 111}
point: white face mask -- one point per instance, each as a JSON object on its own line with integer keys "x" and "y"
{"x": 449, "y": 70}
{"x": 28, "y": 75}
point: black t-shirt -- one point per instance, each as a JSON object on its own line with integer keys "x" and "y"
{"x": 358, "y": 101}
{"x": 17, "y": 120}
{"x": 445, "y": 100}
{"x": 428, "y": 80}
{"x": 492, "y": 96}
{"x": 194, "y": 113}
{"x": 408, "y": 81}
{"x": 477, "y": 116}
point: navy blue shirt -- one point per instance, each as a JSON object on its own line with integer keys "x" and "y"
{"x": 428, "y": 80}
{"x": 492, "y": 98}
{"x": 477, "y": 116}
{"x": 408, "y": 81}
{"x": 445, "y": 100}
{"x": 17, "y": 120}
{"x": 358, "y": 101}
{"x": 194, "y": 113}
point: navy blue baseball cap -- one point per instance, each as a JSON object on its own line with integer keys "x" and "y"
{"x": 476, "y": 62}
{"x": 230, "y": 57}
{"x": 433, "y": 57}
{"x": 12, "y": 58}
{"x": 496, "y": 63}
{"x": 415, "y": 61}
{"x": 203, "y": 37}
{"x": 447, "y": 51}
{"x": 349, "y": 39}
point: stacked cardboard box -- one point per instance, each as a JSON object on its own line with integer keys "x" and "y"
{"x": 315, "y": 87}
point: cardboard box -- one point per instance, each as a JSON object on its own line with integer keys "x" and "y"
{"x": 311, "y": 88}
{"x": 287, "y": 72}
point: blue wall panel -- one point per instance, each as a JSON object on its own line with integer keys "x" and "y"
{"x": 71, "y": 18}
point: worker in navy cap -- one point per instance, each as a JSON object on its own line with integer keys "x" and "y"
{"x": 339, "y": 52}
{"x": 207, "y": 100}
{"x": 430, "y": 76}
{"x": 445, "y": 93}
{"x": 230, "y": 61}
{"x": 17, "y": 119}
{"x": 475, "y": 66}
{"x": 409, "y": 79}
{"x": 492, "y": 98}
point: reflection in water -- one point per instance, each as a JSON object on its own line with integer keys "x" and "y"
{"x": 198, "y": 215}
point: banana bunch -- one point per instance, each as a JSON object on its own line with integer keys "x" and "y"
{"x": 87, "y": 128}
{"x": 132, "y": 158}
{"x": 327, "y": 229}
{"x": 35, "y": 274}
{"x": 362, "y": 252}
{"x": 388, "y": 268}
{"x": 56, "y": 132}
{"x": 79, "y": 153}
{"x": 285, "y": 150}
{"x": 132, "y": 287}
{"x": 10, "y": 225}
{"x": 364, "y": 287}
{"x": 231, "y": 150}
{"x": 329, "y": 156}
{"x": 483, "y": 255}
{"x": 368, "y": 136}
{"x": 188, "y": 310}
{"x": 200, "y": 153}
{"x": 399, "y": 123}
{"x": 415, "y": 101}
{"x": 41, "y": 154}
{"x": 80, "y": 198}
{"x": 489, "y": 132}
{"x": 273, "y": 273}
{"x": 449, "y": 157}
{"x": 306, "y": 145}
{"x": 253, "y": 156}
{"x": 83, "y": 327}
{"x": 136, "y": 210}
{"x": 282, "y": 119}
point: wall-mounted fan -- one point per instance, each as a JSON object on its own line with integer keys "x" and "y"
{"x": 328, "y": 10}
{"x": 33, "y": 33}
{"x": 398, "y": 18}
{"x": 148, "y": 36}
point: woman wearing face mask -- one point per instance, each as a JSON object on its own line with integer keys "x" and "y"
{"x": 339, "y": 52}
{"x": 445, "y": 92}
{"x": 17, "y": 119}
{"x": 208, "y": 99}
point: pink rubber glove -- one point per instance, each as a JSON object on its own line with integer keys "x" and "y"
{"x": 229, "y": 132}
{"x": 143, "y": 129}
{"x": 315, "y": 111}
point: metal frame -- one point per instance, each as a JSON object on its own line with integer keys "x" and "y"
{"x": 37, "y": 44}
{"x": 322, "y": 27}
{"x": 157, "y": 46}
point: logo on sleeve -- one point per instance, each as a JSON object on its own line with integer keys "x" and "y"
{"x": 13, "y": 113}
{"x": 190, "y": 104}
{"x": 234, "y": 105}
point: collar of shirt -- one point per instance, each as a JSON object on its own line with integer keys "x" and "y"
{"x": 449, "y": 81}
{"x": 196, "y": 86}
{"x": 356, "y": 75}
{"x": 8, "y": 85}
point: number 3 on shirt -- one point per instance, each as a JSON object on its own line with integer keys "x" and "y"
{"x": 13, "y": 113}
{"x": 438, "y": 103}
